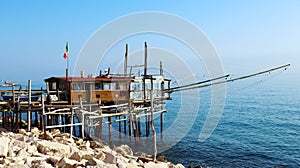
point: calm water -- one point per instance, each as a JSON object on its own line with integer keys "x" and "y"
{"x": 260, "y": 127}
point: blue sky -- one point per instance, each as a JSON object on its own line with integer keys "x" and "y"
{"x": 248, "y": 35}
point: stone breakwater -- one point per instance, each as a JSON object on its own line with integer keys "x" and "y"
{"x": 57, "y": 149}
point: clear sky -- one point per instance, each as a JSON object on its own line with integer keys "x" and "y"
{"x": 248, "y": 35}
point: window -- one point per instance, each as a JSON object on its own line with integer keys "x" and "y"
{"x": 98, "y": 86}
{"x": 78, "y": 86}
{"x": 106, "y": 86}
{"x": 53, "y": 87}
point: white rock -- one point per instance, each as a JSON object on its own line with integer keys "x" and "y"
{"x": 67, "y": 163}
{"x": 179, "y": 166}
{"x": 82, "y": 154}
{"x": 155, "y": 165}
{"x": 124, "y": 150}
{"x": 110, "y": 158}
{"x": 58, "y": 149}
{"x": 22, "y": 154}
{"x": 35, "y": 131}
{"x": 122, "y": 165}
{"x": 130, "y": 165}
{"x": 31, "y": 149}
{"x": 53, "y": 159}
{"x": 95, "y": 162}
{"x": 4, "y": 146}
{"x": 40, "y": 164}
{"x": 100, "y": 155}
{"x": 18, "y": 165}
{"x": 87, "y": 144}
{"x": 20, "y": 144}
{"x": 22, "y": 131}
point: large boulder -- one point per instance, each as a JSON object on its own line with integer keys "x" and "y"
{"x": 179, "y": 166}
{"x": 124, "y": 150}
{"x": 35, "y": 131}
{"x": 82, "y": 154}
{"x": 110, "y": 158}
{"x": 95, "y": 162}
{"x": 156, "y": 165}
{"x": 130, "y": 165}
{"x": 22, "y": 154}
{"x": 68, "y": 163}
{"x": 53, "y": 148}
{"x": 4, "y": 145}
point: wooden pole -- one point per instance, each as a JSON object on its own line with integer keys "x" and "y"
{"x": 161, "y": 123}
{"x": 125, "y": 61}
{"x": 146, "y": 122}
{"x": 145, "y": 73}
{"x": 161, "y": 68}
{"x": 153, "y": 128}
{"x": 152, "y": 122}
{"x": 44, "y": 117}
{"x": 139, "y": 124}
{"x": 72, "y": 117}
{"x": 145, "y": 63}
{"x": 109, "y": 130}
{"x": 82, "y": 117}
{"x": 125, "y": 125}
{"x": 13, "y": 93}
{"x": 120, "y": 127}
{"x": 130, "y": 118}
{"x": 29, "y": 106}
{"x": 100, "y": 124}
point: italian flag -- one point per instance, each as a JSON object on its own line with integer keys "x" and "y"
{"x": 66, "y": 51}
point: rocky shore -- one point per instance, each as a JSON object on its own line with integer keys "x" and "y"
{"x": 57, "y": 149}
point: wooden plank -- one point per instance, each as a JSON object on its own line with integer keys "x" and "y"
{"x": 64, "y": 125}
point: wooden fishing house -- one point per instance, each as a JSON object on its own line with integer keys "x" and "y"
{"x": 102, "y": 89}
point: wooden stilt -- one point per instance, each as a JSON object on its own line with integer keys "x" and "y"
{"x": 125, "y": 125}
{"x": 161, "y": 123}
{"x": 139, "y": 125}
{"x": 72, "y": 117}
{"x": 100, "y": 125}
{"x": 109, "y": 129}
{"x": 146, "y": 123}
{"x": 82, "y": 127}
{"x": 120, "y": 127}
{"x": 44, "y": 118}
{"x": 36, "y": 123}
{"x": 29, "y": 106}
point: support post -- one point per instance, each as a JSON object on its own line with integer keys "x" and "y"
{"x": 146, "y": 121}
{"x": 29, "y": 106}
{"x": 126, "y": 60}
{"x": 145, "y": 73}
{"x": 120, "y": 127}
{"x": 100, "y": 124}
{"x": 161, "y": 68}
{"x": 139, "y": 124}
{"x": 109, "y": 130}
{"x": 161, "y": 123}
{"x": 152, "y": 122}
{"x": 44, "y": 117}
{"x": 125, "y": 120}
{"x": 71, "y": 127}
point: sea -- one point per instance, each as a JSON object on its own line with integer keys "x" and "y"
{"x": 259, "y": 127}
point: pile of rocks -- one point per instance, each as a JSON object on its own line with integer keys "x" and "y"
{"x": 57, "y": 149}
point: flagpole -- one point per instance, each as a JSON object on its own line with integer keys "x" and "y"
{"x": 66, "y": 55}
{"x": 67, "y": 69}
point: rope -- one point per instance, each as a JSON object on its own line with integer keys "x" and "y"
{"x": 257, "y": 82}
